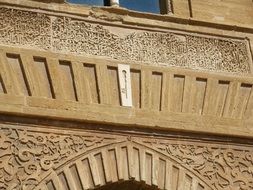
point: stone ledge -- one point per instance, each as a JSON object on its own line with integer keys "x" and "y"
{"x": 119, "y": 116}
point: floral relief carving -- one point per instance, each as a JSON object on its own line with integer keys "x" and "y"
{"x": 224, "y": 167}
{"x": 24, "y": 28}
{"x": 25, "y": 155}
{"x": 70, "y": 35}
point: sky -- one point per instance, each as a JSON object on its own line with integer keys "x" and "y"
{"x": 141, "y": 5}
{"x": 88, "y": 2}
{"x": 138, "y": 5}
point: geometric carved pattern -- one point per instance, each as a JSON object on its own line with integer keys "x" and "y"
{"x": 49, "y": 159}
{"x": 64, "y": 34}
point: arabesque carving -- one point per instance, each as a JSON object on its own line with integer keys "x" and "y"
{"x": 69, "y": 35}
{"x": 23, "y": 28}
{"x": 26, "y": 154}
{"x": 225, "y": 167}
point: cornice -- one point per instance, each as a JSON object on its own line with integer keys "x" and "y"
{"x": 127, "y": 17}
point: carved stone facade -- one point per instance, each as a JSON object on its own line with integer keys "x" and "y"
{"x": 31, "y": 158}
{"x": 225, "y": 167}
{"x": 188, "y": 126}
{"x": 70, "y": 35}
{"x": 34, "y": 153}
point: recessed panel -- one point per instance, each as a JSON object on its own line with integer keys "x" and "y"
{"x": 156, "y": 90}
{"x": 18, "y": 70}
{"x": 114, "y": 86}
{"x": 136, "y": 87}
{"x": 67, "y": 80}
{"x": 90, "y": 75}
{"x": 177, "y": 93}
{"x": 43, "y": 77}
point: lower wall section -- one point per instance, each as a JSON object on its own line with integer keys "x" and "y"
{"x": 43, "y": 157}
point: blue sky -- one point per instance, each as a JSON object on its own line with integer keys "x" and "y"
{"x": 141, "y": 5}
{"x": 88, "y": 2}
{"x": 138, "y": 5}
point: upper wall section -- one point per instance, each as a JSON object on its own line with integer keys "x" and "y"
{"x": 235, "y": 12}
{"x": 87, "y": 36}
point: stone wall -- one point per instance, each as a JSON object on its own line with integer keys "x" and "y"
{"x": 38, "y": 157}
{"x": 226, "y": 11}
{"x": 64, "y": 65}
{"x": 191, "y": 109}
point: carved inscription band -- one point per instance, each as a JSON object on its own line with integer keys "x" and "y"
{"x": 68, "y": 35}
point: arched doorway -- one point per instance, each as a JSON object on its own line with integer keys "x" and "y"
{"x": 127, "y": 185}
{"x": 126, "y": 165}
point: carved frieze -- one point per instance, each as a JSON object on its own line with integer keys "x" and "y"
{"x": 23, "y": 28}
{"x": 225, "y": 167}
{"x": 27, "y": 154}
{"x": 69, "y": 35}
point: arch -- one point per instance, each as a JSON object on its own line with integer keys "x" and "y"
{"x": 121, "y": 162}
{"x": 126, "y": 185}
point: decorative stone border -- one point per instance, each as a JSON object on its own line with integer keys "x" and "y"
{"x": 31, "y": 158}
{"x": 68, "y": 35}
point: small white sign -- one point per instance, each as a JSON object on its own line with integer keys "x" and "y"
{"x": 125, "y": 85}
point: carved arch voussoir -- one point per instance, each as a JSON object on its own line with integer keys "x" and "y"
{"x": 36, "y": 159}
{"x": 122, "y": 162}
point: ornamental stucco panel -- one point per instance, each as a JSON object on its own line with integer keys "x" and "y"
{"x": 31, "y": 159}
{"x": 24, "y": 28}
{"x": 76, "y": 36}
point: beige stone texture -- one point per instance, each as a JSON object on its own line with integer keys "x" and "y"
{"x": 48, "y": 158}
{"x": 70, "y": 79}
{"x": 62, "y": 121}
{"x": 224, "y": 11}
